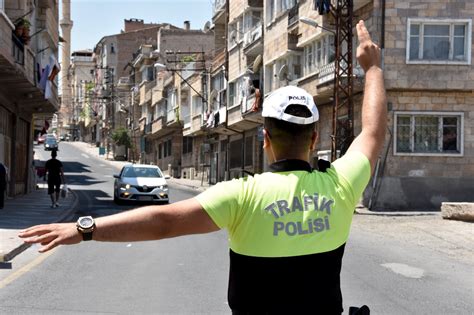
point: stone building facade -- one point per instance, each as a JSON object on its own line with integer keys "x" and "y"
{"x": 28, "y": 84}
{"x": 429, "y": 155}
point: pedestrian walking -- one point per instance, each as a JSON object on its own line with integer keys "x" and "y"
{"x": 3, "y": 184}
{"x": 288, "y": 227}
{"x": 55, "y": 176}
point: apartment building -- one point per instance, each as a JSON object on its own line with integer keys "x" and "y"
{"x": 169, "y": 93}
{"x": 111, "y": 56}
{"x": 29, "y": 39}
{"x": 82, "y": 85}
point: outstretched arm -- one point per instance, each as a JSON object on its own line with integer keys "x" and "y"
{"x": 142, "y": 224}
{"x": 374, "y": 107}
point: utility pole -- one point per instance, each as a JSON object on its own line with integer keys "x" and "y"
{"x": 342, "y": 128}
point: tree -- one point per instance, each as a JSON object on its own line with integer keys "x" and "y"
{"x": 120, "y": 136}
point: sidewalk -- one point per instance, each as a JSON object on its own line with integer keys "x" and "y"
{"x": 24, "y": 211}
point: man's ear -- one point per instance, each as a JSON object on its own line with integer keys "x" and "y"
{"x": 266, "y": 138}
{"x": 314, "y": 140}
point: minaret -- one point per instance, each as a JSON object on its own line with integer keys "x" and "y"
{"x": 66, "y": 101}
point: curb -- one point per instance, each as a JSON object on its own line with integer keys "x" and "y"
{"x": 24, "y": 246}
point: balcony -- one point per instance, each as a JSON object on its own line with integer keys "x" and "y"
{"x": 17, "y": 73}
{"x": 253, "y": 43}
{"x": 252, "y": 109}
{"x": 156, "y": 95}
{"x": 145, "y": 92}
{"x": 52, "y": 28}
{"x": 219, "y": 59}
{"x": 218, "y": 9}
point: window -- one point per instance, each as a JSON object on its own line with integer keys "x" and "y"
{"x": 148, "y": 74}
{"x": 2, "y": 5}
{"x": 231, "y": 94}
{"x": 112, "y": 48}
{"x": 187, "y": 145}
{"x": 428, "y": 133}
{"x": 197, "y": 105}
{"x": 319, "y": 53}
{"x": 160, "y": 151}
{"x": 167, "y": 148}
{"x": 439, "y": 41}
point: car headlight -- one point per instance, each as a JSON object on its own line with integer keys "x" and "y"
{"x": 164, "y": 187}
{"x": 125, "y": 186}
{"x": 47, "y": 145}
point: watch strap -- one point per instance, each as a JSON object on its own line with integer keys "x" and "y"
{"x": 87, "y": 236}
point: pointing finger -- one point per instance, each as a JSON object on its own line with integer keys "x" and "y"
{"x": 362, "y": 32}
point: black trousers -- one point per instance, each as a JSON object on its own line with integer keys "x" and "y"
{"x": 2, "y": 196}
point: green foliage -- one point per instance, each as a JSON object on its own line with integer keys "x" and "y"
{"x": 189, "y": 58}
{"x": 23, "y": 22}
{"x": 121, "y": 137}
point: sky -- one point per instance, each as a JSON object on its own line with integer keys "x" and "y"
{"x": 94, "y": 19}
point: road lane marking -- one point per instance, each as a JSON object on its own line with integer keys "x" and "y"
{"x": 20, "y": 272}
{"x": 85, "y": 155}
{"x": 405, "y": 270}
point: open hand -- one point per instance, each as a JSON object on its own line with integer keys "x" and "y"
{"x": 51, "y": 235}
{"x": 368, "y": 53}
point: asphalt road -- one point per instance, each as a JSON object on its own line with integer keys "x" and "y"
{"x": 188, "y": 275}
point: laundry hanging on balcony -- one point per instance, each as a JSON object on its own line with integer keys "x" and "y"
{"x": 323, "y": 6}
{"x": 48, "y": 76}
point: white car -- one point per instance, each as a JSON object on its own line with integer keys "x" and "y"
{"x": 141, "y": 183}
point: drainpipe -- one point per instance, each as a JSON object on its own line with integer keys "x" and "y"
{"x": 382, "y": 161}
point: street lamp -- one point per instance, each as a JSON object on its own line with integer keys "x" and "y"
{"x": 313, "y": 23}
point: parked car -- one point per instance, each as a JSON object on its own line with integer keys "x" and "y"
{"x": 141, "y": 183}
{"x": 50, "y": 144}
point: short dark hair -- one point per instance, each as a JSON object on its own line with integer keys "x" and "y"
{"x": 283, "y": 132}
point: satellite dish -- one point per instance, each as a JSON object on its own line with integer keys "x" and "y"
{"x": 207, "y": 26}
{"x": 283, "y": 73}
{"x": 213, "y": 94}
{"x": 257, "y": 63}
{"x": 233, "y": 36}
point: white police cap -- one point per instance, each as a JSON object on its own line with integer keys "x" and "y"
{"x": 275, "y": 104}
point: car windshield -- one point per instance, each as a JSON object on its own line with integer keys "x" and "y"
{"x": 141, "y": 172}
{"x": 51, "y": 140}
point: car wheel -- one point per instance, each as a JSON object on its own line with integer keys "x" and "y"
{"x": 117, "y": 200}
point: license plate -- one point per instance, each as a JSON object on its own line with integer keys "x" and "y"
{"x": 145, "y": 198}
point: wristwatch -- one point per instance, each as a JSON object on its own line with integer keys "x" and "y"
{"x": 86, "y": 225}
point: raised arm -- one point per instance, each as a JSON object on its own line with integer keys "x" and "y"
{"x": 141, "y": 224}
{"x": 374, "y": 106}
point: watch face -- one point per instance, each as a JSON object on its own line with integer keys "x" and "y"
{"x": 86, "y": 222}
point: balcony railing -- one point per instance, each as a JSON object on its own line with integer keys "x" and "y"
{"x": 158, "y": 124}
{"x": 218, "y": 6}
{"x": 253, "y": 35}
{"x": 171, "y": 116}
